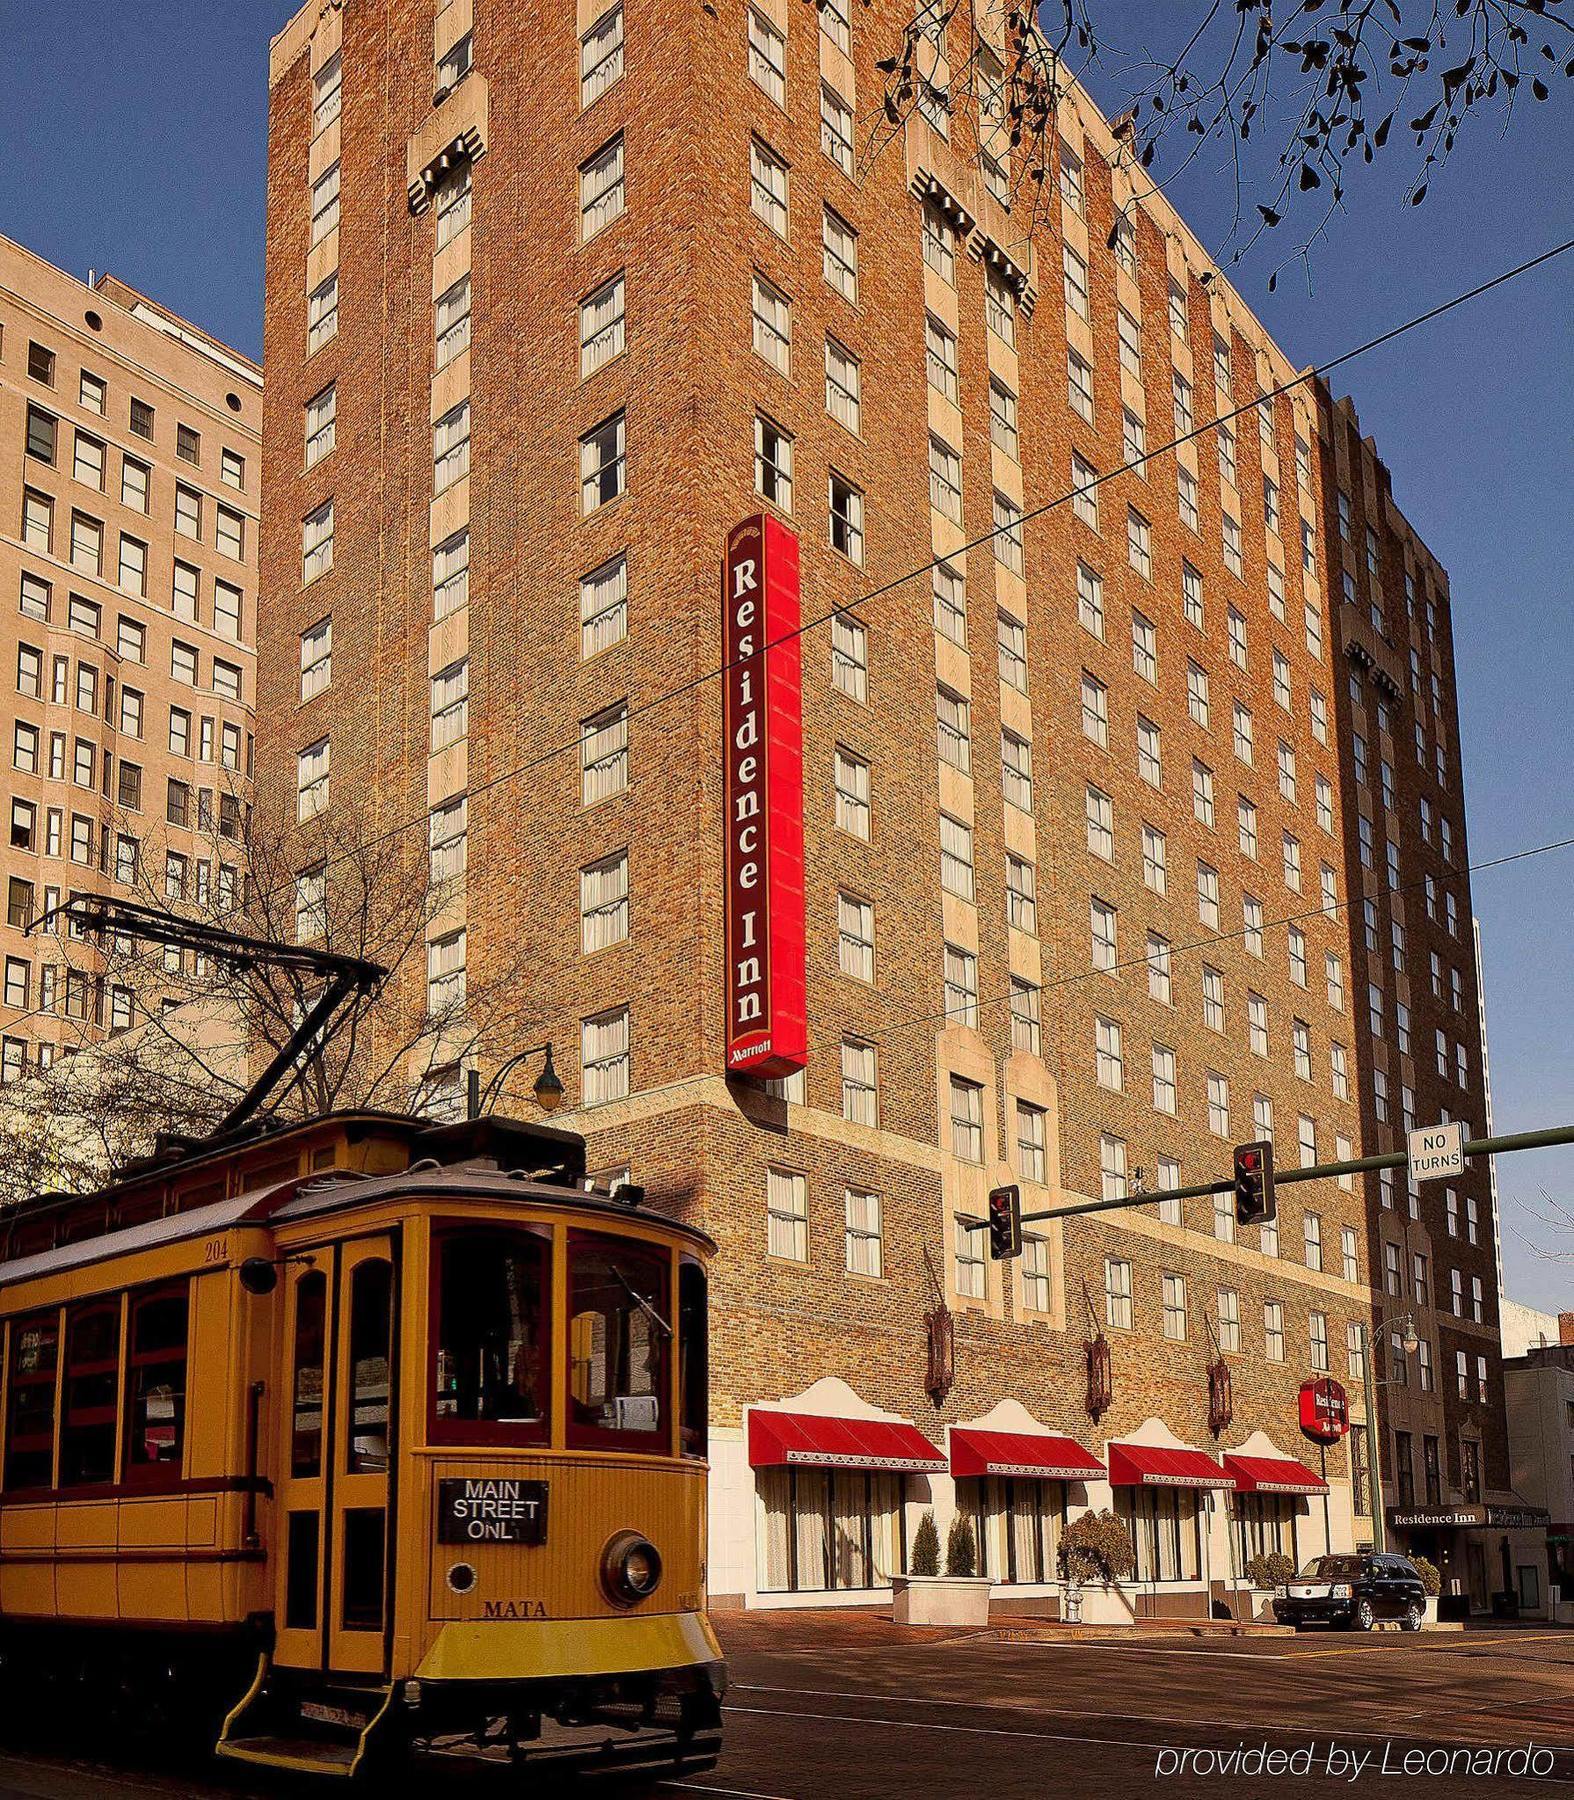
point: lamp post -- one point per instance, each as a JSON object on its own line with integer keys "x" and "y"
{"x": 548, "y": 1089}
{"x": 1409, "y": 1342}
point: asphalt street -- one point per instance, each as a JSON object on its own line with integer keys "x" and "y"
{"x": 854, "y": 1707}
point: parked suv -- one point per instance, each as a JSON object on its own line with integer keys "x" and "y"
{"x": 1352, "y": 1591}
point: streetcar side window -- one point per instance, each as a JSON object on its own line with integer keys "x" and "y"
{"x": 311, "y": 1309}
{"x": 156, "y": 1386}
{"x": 491, "y": 1342}
{"x": 694, "y": 1350}
{"x": 90, "y": 1399}
{"x": 30, "y": 1409}
{"x": 619, "y": 1337}
{"x": 371, "y": 1337}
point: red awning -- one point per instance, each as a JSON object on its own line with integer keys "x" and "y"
{"x": 1034, "y": 1453}
{"x": 808, "y": 1440}
{"x": 1272, "y": 1475}
{"x": 1156, "y": 1465}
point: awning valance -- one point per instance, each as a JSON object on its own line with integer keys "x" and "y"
{"x": 1272, "y": 1475}
{"x": 1163, "y": 1465}
{"x": 812, "y": 1441}
{"x": 1026, "y": 1453}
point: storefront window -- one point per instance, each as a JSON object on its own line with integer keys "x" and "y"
{"x": 619, "y": 1336}
{"x": 491, "y": 1355}
{"x": 828, "y": 1529}
{"x": 1267, "y": 1526}
{"x": 1017, "y": 1522}
{"x": 1163, "y": 1522}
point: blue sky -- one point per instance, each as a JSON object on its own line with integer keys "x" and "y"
{"x": 153, "y": 166}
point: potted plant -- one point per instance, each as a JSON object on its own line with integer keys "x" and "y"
{"x": 1096, "y": 1554}
{"x": 926, "y": 1597}
{"x": 1432, "y": 1581}
{"x": 1268, "y": 1571}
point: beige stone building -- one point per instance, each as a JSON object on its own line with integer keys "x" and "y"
{"x": 1086, "y": 876}
{"x": 129, "y": 486}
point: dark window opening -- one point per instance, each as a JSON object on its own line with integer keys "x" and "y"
{"x": 363, "y": 1568}
{"x": 91, "y": 1394}
{"x": 694, "y": 1364}
{"x": 311, "y": 1308}
{"x": 491, "y": 1358}
{"x": 371, "y": 1329}
{"x": 30, "y": 1409}
{"x": 300, "y": 1583}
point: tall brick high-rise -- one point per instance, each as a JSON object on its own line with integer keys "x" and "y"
{"x": 129, "y": 487}
{"x": 1080, "y": 799}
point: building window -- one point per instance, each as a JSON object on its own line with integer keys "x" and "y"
{"x": 316, "y": 658}
{"x": 1016, "y": 774}
{"x": 1174, "y": 1296}
{"x": 321, "y": 414}
{"x": 862, "y": 1210}
{"x": 451, "y": 322}
{"x": 312, "y": 780}
{"x": 601, "y": 57}
{"x": 846, "y": 518}
{"x": 938, "y": 243}
{"x": 1032, "y": 1163}
{"x": 970, "y": 1273}
{"x": 1008, "y": 532}
{"x": 773, "y": 325}
{"x": 604, "y": 903}
{"x": 322, "y": 314}
{"x": 1021, "y": 895}
{"x": 767, "y": 57}
{"x": 1163, "y": 1079}
{"x": 451, "y": 575}
{"x": 842, "y": 385}
{"x": 603, "y": 607}
{"x": 952, "y": 731}
{"x": 852, "y": 793}
{"x": 448, "y": 844}
{"x": 1117, "y": 1293}
{"x": 1075, "y": 271}
{"x": 945, "y": 480}
{"x": 855, "y": 937}
{"x": 836, "y": 129}
{"x": 1025, "y": 1016}
{"x": 849, "y": 657}
{"x": 860, "y": 1086}
{"x": 773, "y": 462}
{"x": 605, "y": 1057}
{"x": 455, "y": 64}
{"x": 317, "y": 543}
{"x": 451, "y": 451}
{"x": 841, "y": 254}
{"x": 603, "y": 463}
{"x": 1109, "y": 1059}
{"x": 1100, "y": 816}
{"x": 453, "y": 206}
{"x": 604, "y": 754}
{"x": 327, "y": 93}
{"x": 768, "y": 186}
{"x": 967, "y": 1127}
{"x": 1079, "y": 386}
{"x": 956, "y": 857}
{"x": 450, "y": 701}
{"x": 1011, "y": 651}
{"x": 1003, "y": 419}
{"x": 325, "y": 204}
{"x": 601, "y": 192}
{"x": 961, "y": 987}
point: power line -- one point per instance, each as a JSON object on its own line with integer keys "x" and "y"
{"x": 542, "y": 758}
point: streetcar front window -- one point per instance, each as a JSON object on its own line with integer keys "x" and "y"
{"x": 620, "y": 1337}
{"x": 491, "y": 1349}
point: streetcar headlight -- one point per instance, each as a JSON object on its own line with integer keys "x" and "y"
{"x": 630, "y": 1568}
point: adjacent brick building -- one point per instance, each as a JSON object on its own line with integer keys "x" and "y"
{"x": 129, "y": 483}
{"x": 1080, "y": 799}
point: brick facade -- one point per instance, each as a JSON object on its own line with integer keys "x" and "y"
{"x": 691, "y": 386}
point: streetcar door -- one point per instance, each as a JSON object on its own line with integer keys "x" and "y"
{"x": 333, "y": 1586}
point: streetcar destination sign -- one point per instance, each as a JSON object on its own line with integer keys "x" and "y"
{"x": 491, "y": 1512}
{"x": 1437, "y": 1150}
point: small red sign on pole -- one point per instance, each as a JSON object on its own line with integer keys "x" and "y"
{"x": 1325, "y": 1410}
{"x": 766, "y": 981}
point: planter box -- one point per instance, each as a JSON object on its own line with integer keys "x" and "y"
{"x": 940, "y": 1600}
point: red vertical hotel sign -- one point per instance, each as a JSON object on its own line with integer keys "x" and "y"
{"x": 767, "y": 1010}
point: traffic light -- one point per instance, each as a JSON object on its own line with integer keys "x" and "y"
{"x": 1005, "y": 1222}
{"x": 1254, "y": 1197}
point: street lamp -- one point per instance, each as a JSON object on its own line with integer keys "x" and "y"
{"x": 1409, "y": 1343}
{"x": 548, "y": 1089}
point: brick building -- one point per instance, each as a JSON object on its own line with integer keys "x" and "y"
{"x": 1079, "y": 800}
{"x": 129, "y": 485}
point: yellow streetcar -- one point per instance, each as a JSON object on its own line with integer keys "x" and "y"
{"x": 368, "y": 1434}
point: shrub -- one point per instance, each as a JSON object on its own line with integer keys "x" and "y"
{"x": 1270, "y": 1570}
{"x": 1431, "y": 1579}
{"x": 1096, "y": 1547}
{"x": 924, "y": 1558}
{"x": 961, "y": 1551}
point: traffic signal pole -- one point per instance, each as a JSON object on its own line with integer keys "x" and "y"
{"x": 1389, "y": 1159}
